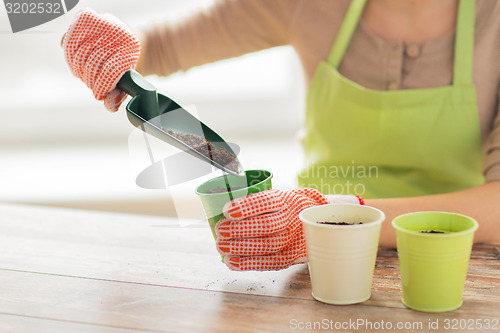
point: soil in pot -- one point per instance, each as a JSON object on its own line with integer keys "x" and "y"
{"x": 223, "y": 189}
{"x": 338, "y": 223}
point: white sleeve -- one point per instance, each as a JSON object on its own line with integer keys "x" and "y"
{"x": 344, "y": 199}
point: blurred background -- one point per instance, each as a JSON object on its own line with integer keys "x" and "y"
{"x": 60, "y": 147}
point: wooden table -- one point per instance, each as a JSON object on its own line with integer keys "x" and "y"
{"x": 78, "y": 271}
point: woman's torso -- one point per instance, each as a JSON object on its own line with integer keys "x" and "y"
{"x": 380, "y": 64}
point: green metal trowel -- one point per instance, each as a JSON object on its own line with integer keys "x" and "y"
{"x": 156, "y": 114}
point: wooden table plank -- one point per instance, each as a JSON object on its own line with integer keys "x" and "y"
{"x": 172, "y": 262}
{"x": 158, "y": 308}
{"x": 137, "y": 272}
{"x": 16, "y": 324}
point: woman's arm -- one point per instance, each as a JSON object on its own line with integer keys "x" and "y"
{"x": 227, "y": 29}
{"x": 481, "y": 203}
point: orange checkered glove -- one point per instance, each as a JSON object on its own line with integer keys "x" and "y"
{"x": 99, "y": 49}
{"x": 263, "y": 231}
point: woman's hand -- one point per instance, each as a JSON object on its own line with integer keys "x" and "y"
{"x": 99, "y": 49}
{"x": 263, "y": 231}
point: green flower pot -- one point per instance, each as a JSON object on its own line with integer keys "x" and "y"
{"x": 434, "y": 250}
{"x": 233, "y": 187}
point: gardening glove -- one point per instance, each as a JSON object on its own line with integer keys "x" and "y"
{"x": 263, "y": 231}
{"x": 99, "y": 49}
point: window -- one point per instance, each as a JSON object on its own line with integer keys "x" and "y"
{"x": 61, "y": 145}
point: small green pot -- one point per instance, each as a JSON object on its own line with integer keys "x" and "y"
{"x": 235, "y": 187}
{"x": 434, "y": 265}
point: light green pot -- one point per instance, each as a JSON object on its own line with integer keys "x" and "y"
{"x": 433, "y": 266}
{"x": 253, "y": 182}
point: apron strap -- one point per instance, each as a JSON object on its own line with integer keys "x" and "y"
{"x": 464, "y": 39}
{"x": 345, "y": 33}
{"x": 463, "y": 67}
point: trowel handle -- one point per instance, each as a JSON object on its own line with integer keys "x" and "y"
{"x": 134, "y": 84}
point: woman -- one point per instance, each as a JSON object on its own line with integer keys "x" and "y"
{"x": 404, "y": 92}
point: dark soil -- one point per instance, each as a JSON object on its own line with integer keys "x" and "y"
{"x": 222, "y": 189}
{"x": 206, "y": 148}
{"x": 338, "y": 223}
{"x": 432, "y": 232}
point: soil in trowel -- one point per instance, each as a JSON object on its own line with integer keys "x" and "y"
{"x": 206, "y": 148}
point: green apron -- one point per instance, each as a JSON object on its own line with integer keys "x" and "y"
{"x": 381, "y": 144}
